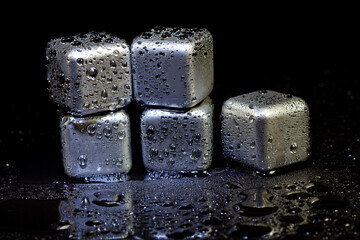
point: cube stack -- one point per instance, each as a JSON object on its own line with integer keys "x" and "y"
{"x": 171, "y": 74}
{"x": 87, "y": 74}
{"x": 172, "y": 71}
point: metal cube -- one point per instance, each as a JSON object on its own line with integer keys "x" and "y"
{"x": 178, "y": 140}
{"x": 172, "y": 67}
{"x": 96, "y": 145}
{"x": 265, "y": 129}
{"x": 89, "y": 73}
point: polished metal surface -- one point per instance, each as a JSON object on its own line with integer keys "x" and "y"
{"x": 172, "y": 67}
{"x": 177, "y": 140}
{"x": 265, "y": 129}
{"x": 89, "y": 73}
{"x": 96, "y": 145}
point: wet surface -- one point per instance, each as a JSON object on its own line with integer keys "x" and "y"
{"x": 307, "y": 200}
{"x": 317, "y": 199}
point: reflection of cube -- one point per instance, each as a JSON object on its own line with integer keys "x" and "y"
{"x": 172, "y": 67}
{"x": 177, "y": 140}
{"x": 98, "y": 212}
{"x": 89, "y": 73}
{"x": 96, "y": 145}
{"x": 265, "y": 129}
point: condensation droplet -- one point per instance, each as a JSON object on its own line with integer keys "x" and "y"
{"x": 91, "y": 129}
{"x": 197, "y": 137}
{"x": 92, "y": 72}
{"x": 104, "y": 94}
{"x": 107, "y": 131}
{"x": 293, "y": 148}
{"x": 119, "y": 162}
{"x": 251, "y": 119}
{"x": 121, "y": 135}
{"x": 82, "y": 160}
{"x": 154, "y": 152}
{"x": 196, "y": 153}
{"x": 171, "y": 161}
{"x": 85, "y": 202}
{"x": 150, "y": 131}
{"x": 86, "y": 105}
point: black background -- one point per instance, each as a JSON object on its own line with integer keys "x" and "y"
{"x": 309, "y": 51}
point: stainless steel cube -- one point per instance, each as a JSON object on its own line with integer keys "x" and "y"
{"x": 96, "y": 145}
{"x": 89, "y": 73}
{"x": 178, "y": 140}
{"x": 265, "y": 129}
{"x": 172, "y": 67}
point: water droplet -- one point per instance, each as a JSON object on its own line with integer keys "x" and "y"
{"x": 257, "y": 203}
{"x": 108, "y": 199}
{"x": 150, "y": 131}
{"x": 293, "y": 148}
{"x": 85, "y": 202}
{"x": 119, "y": 162}
{"x": 86, "y": 105}
{"x": 107, "y": 131}
{"x": 172, "y": 147}
{"x": 318, "y": 187}
{"x": 293, "y": 195}
{"x": 115, "y": 125}
{"x": 164, "y": 128}
{"x": 92, "y": 72}
{"x": 82, "y": 160}
{"x": 93, "y": 223}
{"x": 121, "y": 135}
{"x": 153, "y": 152}
{"x": 91, "y": 129}
{"x": 196, "y": 153}
{"x": 197, "y": 137}
{"x": 171, "y": 161}
{"x": 251, "y": 119}
{"x": 114, "y": 87}
{"x": 99, "y": 136}
{"x": 112, "y": 63}
{"x": 80, "y": 61}
{"x": 229, "y": 185}
{"x": 104, "y": 94}
{"x": 328, "y": 202}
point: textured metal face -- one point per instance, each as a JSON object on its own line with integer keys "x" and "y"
{"x": 172, "y": 67}
{"x": 96, "y": 145}
{"x": 89, "y": 73}
{"x": 178, "y": 140}
{"x": 265, "y": 129}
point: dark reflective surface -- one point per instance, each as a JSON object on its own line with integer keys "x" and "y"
{"x": 295, "y": 54}
{"x": 304, "y": 202}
